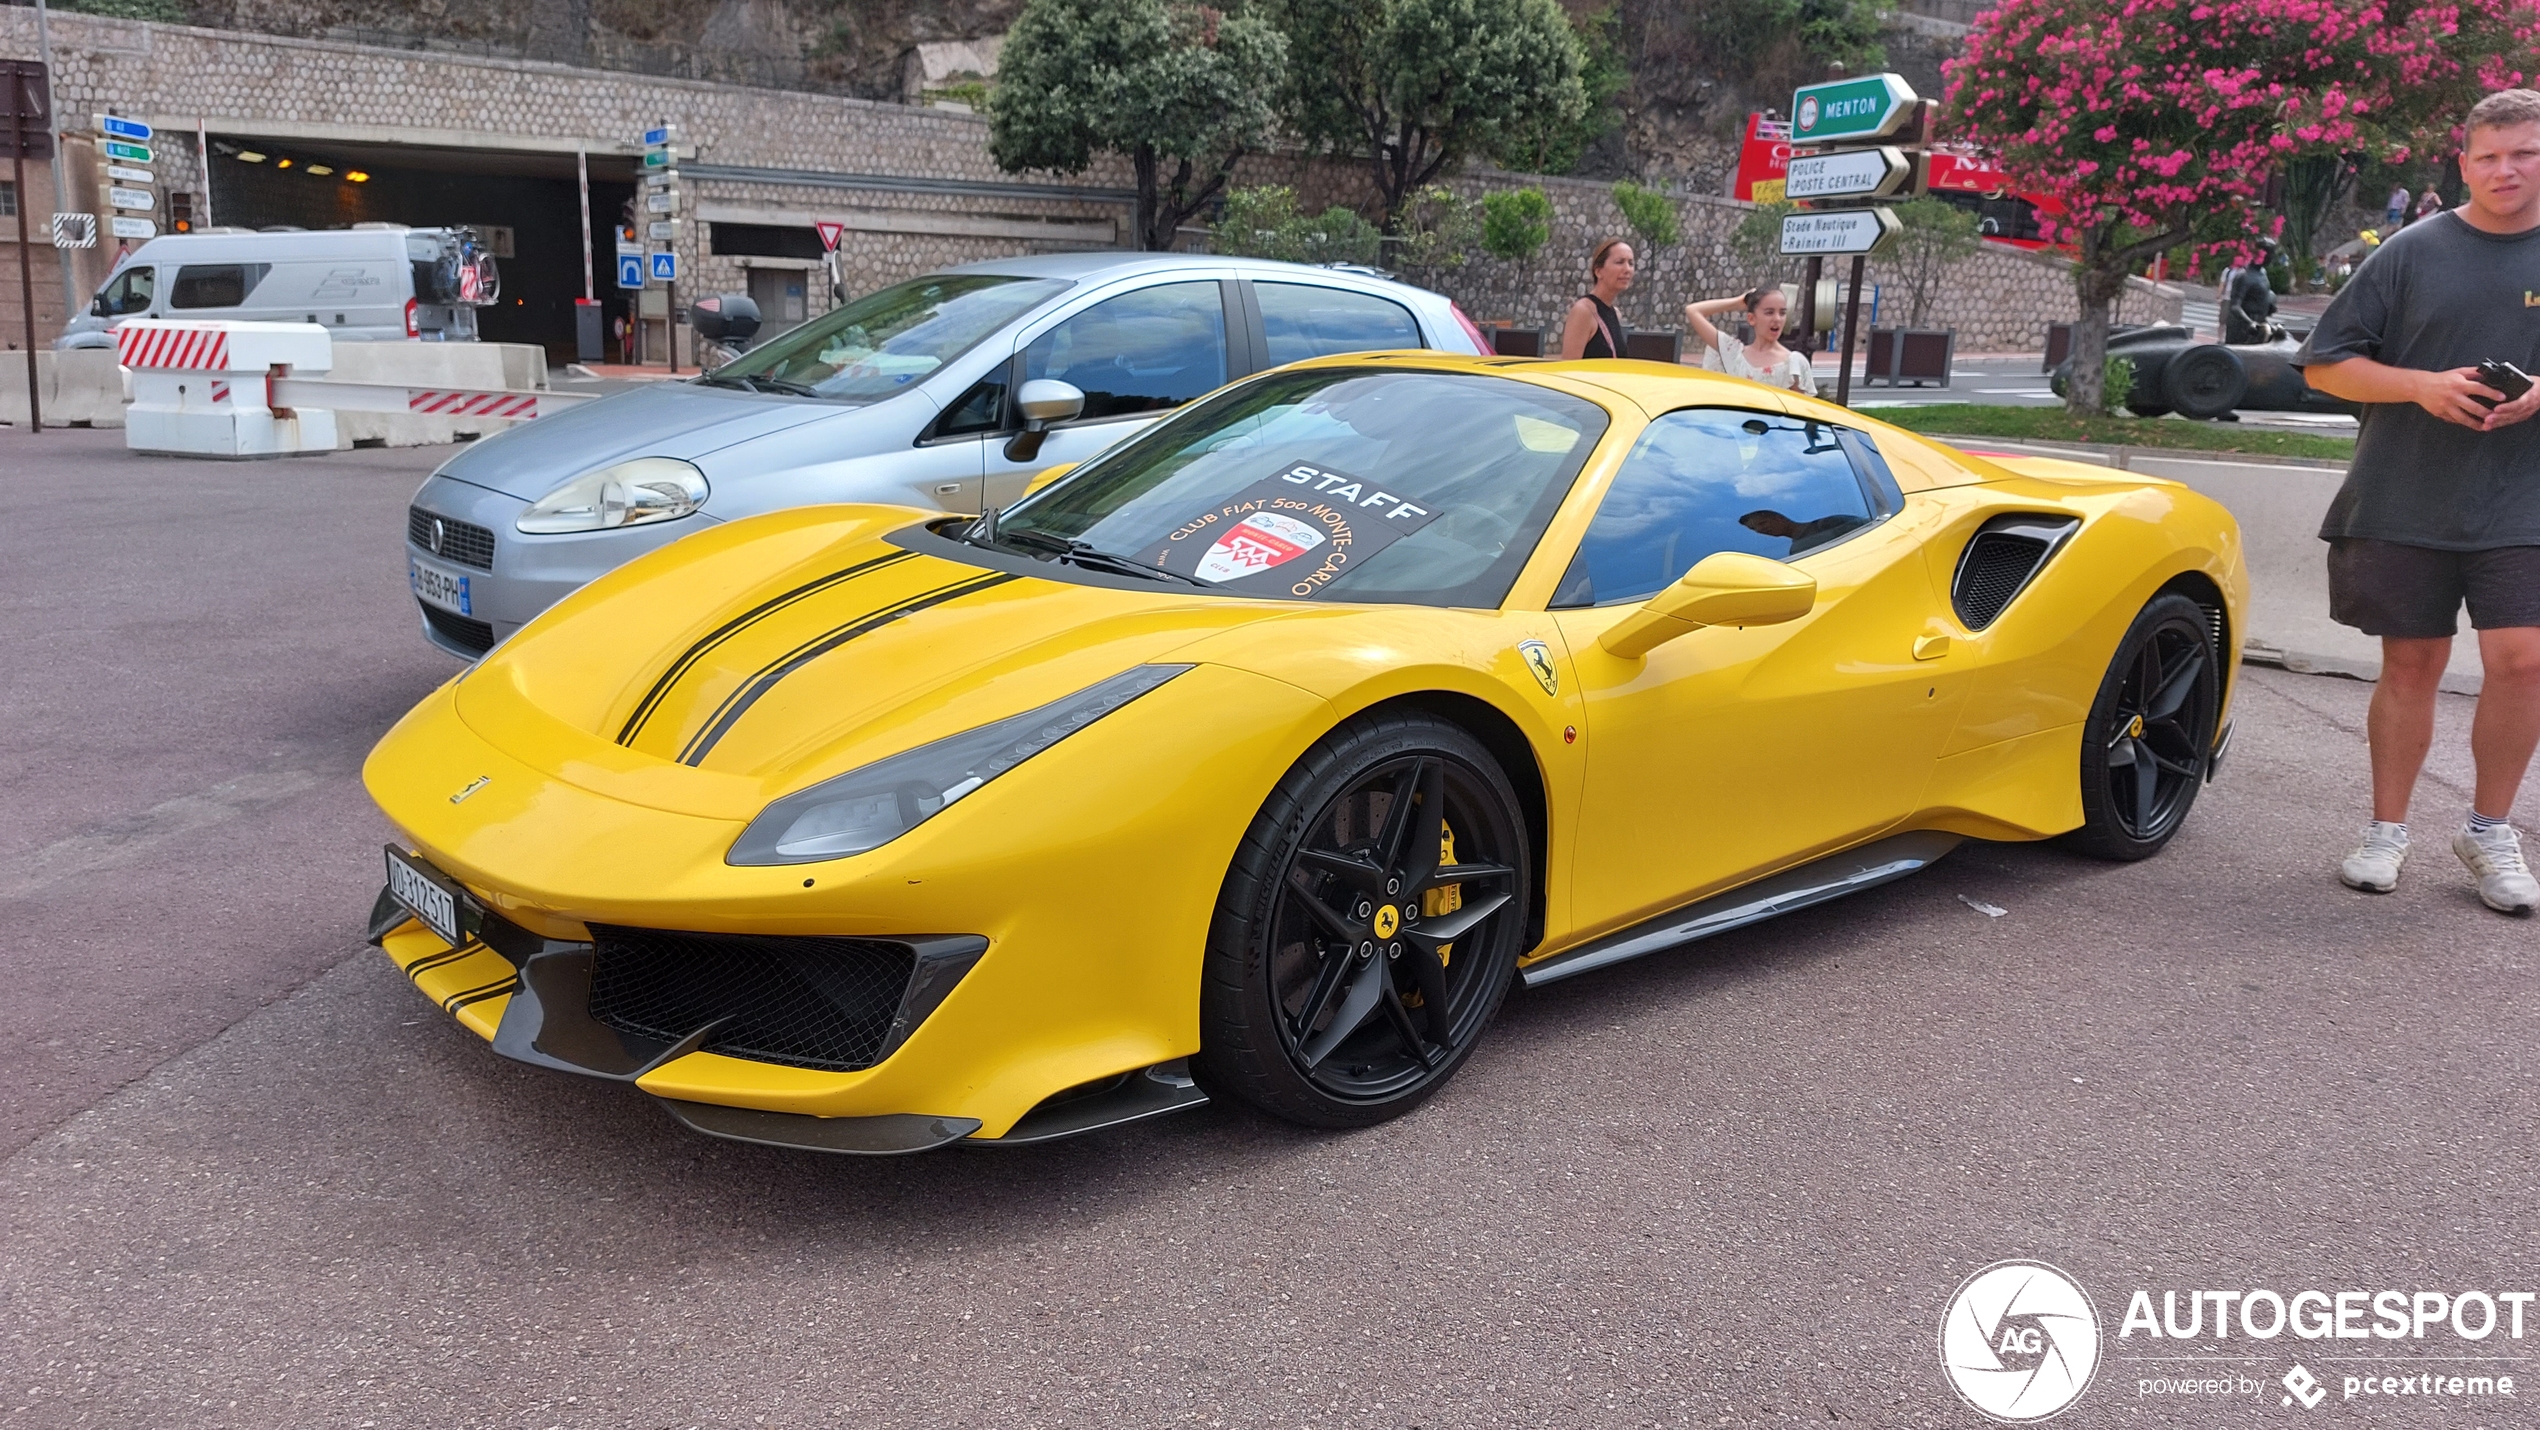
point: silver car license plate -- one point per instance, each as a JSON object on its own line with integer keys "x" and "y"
{"x": 437, "y": 587}
{"x": 426, "y": 895}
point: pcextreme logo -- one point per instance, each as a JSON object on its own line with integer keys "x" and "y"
{"x": 2019, "y": 1341}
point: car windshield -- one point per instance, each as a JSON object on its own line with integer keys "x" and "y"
{"x": 1426, "y": 488}
{"x": 885, "y": 340}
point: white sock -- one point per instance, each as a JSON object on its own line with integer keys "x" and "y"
{"x": 2480, "y": 824}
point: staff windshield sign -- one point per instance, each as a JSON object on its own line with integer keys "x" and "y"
{"x": 1293, "y": 534}
{"x": 1871, "y": 107}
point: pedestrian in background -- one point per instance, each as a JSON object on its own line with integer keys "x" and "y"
{"x": 2394, "y": 213}
{"x": 2441, "y": 505}
{"x": 1764, "y": 360}
{"x": 1594, "y": 328}
{"x": 2429, "y": 205}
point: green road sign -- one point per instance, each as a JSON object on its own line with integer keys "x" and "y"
{"x": 656, "y": 158}
{"x": 129, "y": 153}
{"x": 1871, "y": 107}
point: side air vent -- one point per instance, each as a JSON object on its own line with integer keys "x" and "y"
{"x": 2005, "y": 554}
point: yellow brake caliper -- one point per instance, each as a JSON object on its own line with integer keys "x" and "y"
{"x": 1448, "y": 898}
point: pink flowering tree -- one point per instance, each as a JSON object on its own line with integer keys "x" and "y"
{"x": 2157, "y": 122}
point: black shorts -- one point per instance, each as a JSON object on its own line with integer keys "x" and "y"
{"x": 2384, "y": 588}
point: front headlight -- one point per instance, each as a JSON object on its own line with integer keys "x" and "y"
{"x": 868, "y": 808}
{"x": 628, "y": 494}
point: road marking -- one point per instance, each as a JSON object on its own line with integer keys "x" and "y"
{"x": 125, "y": 840}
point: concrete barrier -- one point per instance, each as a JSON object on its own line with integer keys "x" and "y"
{"x": 515, "y": 366}
{"x": 82, "y": 388}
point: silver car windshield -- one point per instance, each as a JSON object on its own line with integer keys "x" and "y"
{"x": 1342, "y": 484}
{"x": 885, "y": 340}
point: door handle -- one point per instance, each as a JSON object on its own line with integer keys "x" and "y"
{"x": 1930, "y": 647}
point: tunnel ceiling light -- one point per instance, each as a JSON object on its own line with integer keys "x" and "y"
{"x": 356, "y": 176}
{"x": 320, "y": 170}
{"x": 250, "y": 156}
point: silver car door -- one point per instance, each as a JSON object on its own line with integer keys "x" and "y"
{"x": 1135, "y": 355}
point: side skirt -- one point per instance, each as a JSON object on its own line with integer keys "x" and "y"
{"x": 1829, "y": 878}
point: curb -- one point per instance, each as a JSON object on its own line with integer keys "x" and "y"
{"x": 2118, "y": 457}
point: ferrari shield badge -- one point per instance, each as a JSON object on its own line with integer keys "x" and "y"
{"x": 1538, "y": 657}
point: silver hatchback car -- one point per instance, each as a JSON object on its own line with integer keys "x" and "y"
{"x": 949, "y": 391}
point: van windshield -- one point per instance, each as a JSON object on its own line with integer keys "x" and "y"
{"x": 885, "y": 340}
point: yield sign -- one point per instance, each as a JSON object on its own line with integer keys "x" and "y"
{"x": 830, "y": 233}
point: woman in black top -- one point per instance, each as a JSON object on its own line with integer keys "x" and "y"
{"x": 1593, "y": 328}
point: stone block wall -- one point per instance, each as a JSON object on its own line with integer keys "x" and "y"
{"x": 1999, "y": 300}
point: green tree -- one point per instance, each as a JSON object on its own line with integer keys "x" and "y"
{"x": 1183, "y": 90}
{"x": 1414, "y": 87}
{"x": 1651, "y": 214}
{"x": 1516, "y": 224}
{"x": 1548, "y": 144}
{"x": 1935, "y": 234}
{"x": 1439, "y": 228}
{"x": 1264, "y": 223}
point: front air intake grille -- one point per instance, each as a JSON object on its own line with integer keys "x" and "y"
{"x": 461, "y": 541}
{"x": 823, "y": 1003}
{"x": 474, "y": 636}
{"x": 2004, "y": 556}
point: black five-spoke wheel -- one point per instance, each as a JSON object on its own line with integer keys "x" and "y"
{"x": 1369, "y": 927}
{"x": 2151, "y": 732}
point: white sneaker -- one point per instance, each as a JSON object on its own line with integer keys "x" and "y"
{"x": 2374, "y": 866}
{"x": 2504, "y": 881}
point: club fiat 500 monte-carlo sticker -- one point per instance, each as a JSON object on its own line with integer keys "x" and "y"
{"x": 1294, "y": 533}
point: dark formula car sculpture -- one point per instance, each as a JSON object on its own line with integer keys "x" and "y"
{"x": 2174, "y": 371}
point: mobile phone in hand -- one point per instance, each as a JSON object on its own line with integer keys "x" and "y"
{"x": 2506, "y": 378}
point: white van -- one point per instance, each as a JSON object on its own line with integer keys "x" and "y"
{"x": 373, "y": 282}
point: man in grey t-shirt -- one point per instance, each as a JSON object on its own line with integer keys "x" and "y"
{"x": 2442, "y": 504}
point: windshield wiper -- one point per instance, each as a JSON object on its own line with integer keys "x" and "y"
{"x": 983, "y": 532}
{"x": 757, "y": 382}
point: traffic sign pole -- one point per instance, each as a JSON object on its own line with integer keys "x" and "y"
{"x": 1851, "y": 333}
{"x": 20, "y": 101}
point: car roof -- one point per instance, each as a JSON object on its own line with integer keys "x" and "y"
{"x": 1654, "y": 386}
{"x": 1121, "y": 264}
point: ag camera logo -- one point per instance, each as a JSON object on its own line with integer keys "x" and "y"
{"x": 2020, "y": 1341}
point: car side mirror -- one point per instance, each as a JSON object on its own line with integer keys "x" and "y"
{"x": 1725, "y": 588}
{"x": 1048, "y": 475}
{"x": 1043, "y": 401}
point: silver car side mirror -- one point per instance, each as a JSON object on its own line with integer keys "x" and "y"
{"x": 1042, "y": 401}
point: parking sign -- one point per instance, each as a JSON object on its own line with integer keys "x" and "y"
{"x": 630, "y": 270}
{"x": 666, "y": 267}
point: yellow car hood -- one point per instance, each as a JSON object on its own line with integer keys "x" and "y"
{"x": 753, "y": 659}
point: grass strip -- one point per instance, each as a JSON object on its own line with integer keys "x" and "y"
{"x": 2054, "y": 424}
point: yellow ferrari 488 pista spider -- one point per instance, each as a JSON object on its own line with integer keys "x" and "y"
{"x": 1258, "y": 756}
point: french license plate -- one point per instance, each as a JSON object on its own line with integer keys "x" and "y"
{"x": 426, "y": 895}
{"x": 434, "y": 586}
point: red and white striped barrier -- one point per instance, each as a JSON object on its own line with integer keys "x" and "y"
{"x": 188, "y": 395}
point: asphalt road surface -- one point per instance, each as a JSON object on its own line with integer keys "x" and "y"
{"x": 253, "y": 1180}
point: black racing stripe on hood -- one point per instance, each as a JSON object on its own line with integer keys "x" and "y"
{"x": 653, "y": 697}
{"x": 774, "y": 672}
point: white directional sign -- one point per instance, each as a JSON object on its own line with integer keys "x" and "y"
{"x": 1855, "y": 174}
{"x": 662, "y": 230}
{"x": 664, "y": 202}
{"x": 132, "y": 199}
{"x": 123, "y": 175}
{"x": 135, "y": 228}
{"x": 1856, "y": 231}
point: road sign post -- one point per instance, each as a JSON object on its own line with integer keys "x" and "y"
{"x": 30, "y": 104}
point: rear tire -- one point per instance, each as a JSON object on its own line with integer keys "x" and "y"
{"x": 2205, "y": 382}
{"x": 1349, "y": 971}
{"x": 2150, "y": 736}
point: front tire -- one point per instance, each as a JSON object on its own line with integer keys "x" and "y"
{"x": 1369, "y": 926}
{"x": 2149, "y": 739}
